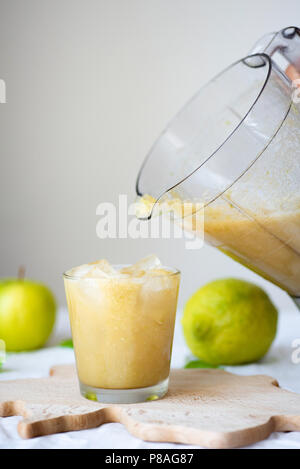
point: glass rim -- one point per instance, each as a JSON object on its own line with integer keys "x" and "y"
{"x": 173, "y": 271}
{"x": 267, "y": 60}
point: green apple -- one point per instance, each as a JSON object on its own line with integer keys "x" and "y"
{"x": 27, "y": 314}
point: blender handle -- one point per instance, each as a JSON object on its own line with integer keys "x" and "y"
{"x": 285, "y": 42}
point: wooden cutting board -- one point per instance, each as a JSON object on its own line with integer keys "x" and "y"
{"x": 210, "y": 408}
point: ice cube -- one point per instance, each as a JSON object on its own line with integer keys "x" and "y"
{"x": 101, "y": 269}
{"x": 143, "y": 266}
{"x": 147, "y": 263}
{"x": 157, "y": 282}
{"x": 80, "y": 271}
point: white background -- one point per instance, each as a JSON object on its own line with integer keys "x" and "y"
{"x": 90, "y": 85}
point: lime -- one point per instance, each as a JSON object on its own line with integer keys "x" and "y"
{"x": 229, "y": 322}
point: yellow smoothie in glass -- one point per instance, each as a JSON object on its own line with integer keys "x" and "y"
{"x": 122, "y": 321}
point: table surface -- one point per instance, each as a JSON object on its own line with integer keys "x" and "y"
{"x": 277, "y": 363}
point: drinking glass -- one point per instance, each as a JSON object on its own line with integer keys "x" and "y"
{"x": 122, "y": 331}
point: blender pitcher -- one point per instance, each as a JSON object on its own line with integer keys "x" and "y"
{"x": 235, "y": 147}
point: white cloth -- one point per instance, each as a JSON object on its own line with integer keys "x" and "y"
{"x": 278, "y": 363}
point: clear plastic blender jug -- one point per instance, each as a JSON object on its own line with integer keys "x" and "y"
{"x": 235, "y": 147}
